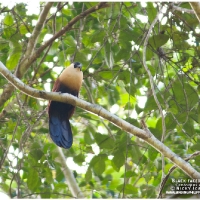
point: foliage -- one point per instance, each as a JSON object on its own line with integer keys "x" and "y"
{"x": 109, "y": 44}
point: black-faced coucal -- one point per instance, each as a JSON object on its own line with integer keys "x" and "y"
{"x": 69, "y": 81}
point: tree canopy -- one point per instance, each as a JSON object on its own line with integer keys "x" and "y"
{"x": 140, "y": 63}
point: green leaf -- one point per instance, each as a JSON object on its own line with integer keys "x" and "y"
{"x": 13, "y": 58}
{"x": 189, "y": 127}
{"x": 98, "y": 36}
{"x": 113, "y": 13}
{"x": 33, "y": 180}
{"x": 125, "y": 76}
{"x": 128, "y": 189}
{"x": 54, "y": 48}
{"x": 152, "y": 153}
{"x": 118, "y": 160}
{"x": 157, "y": 41}
{"x": 197, "y": 161}
{"x": 170, "y": 122}
{"x": 8, "y": 32}
{"x": 123, "y": 54}
{"x": 70, "y": 41}
{"x": 149, "y": 54}
{"x": 88, "y": 138}
{"x": 98, "y": 163}
{"x": 81, "y": 57}
{"x": 88, "y": 175}
{"x": 152, "y": 68}
{"x": 128, "y": 174}
{"x": 59, "y": 174}
{"x": 8, "y": 20}
{"x": 126, "y": 35}
{"x": 104, "y": 141}
{"x": 151, "y": 10}
{"x": 67, "y": 12}
{"x": 150, "y": 104}
{"x": 79, "y": 159}
{"x": 178, "y": 35}
{"x": 33, "y": 103}
{"x": 168, "y": 167}
{"x": 35, "y": 151}
{"x": 135, "y": 152}
{"x": 106, "y": 75}
{"x": 46, "y": 193}
{"x": 123, "y": 23}
{"x": 48, "y": 175}
{"x": 3, "y": 44}
{"x": 141, "y": 181}
{"x": 148, "y": 191}
{"x": 23, "y": 29}
{"x": 82, "y": 184}
{"x": 5, "y": 187}
{"x": 185, "y": 95}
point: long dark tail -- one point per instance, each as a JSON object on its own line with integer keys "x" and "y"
{"x": 60, "y": 131}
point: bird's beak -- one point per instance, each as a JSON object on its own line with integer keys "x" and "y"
{"x": 77, "y": 65}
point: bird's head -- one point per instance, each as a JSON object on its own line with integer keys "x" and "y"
{"x": 72, "y": 76}
{"x": 78, "y": 65}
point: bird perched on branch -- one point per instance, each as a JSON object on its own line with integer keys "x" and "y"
{"x": 69, "y": 81}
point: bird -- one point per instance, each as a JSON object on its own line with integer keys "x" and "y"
{"x": 69, "y": 81}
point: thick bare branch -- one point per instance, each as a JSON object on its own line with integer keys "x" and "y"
{"x": 33, "y": 39}
{"x": 29, "y": 59}
{"x": 98, "y": 110}
{"x": 71, "y": 181}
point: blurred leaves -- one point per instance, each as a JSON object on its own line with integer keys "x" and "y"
{"x": 157, "y": 41}
{"x": 33, "y": 180}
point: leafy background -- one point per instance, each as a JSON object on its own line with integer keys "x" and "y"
{"x": 106, "y": 162}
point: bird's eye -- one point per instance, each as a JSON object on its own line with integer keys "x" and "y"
{"x": 77, "y": 65}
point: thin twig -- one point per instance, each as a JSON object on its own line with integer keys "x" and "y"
{"x": 171, "y": 170}
{"x": 149, "y": 73}
{"x": 28, "y": 130}
{"x": 67, "y": 28}
{"x": 177, "y": 8}
{"x": 152, "y": 82}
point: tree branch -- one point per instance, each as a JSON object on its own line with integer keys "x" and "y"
{"x": 67, "y": 28}
{"x": 23, "y": 65}
{"x": 149, "y": 73}
{"x": 196, "y": 7}
{"x": 171, "y": 170}
{"x": 152, "y": 82}
{"x": 98, "y": 110}
{"x": 30, "y": 58}
{"x": 180, "y": 9}
{"x": 71, "y": 181}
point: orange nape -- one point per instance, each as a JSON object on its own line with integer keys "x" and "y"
{"x": 69, "y": 81}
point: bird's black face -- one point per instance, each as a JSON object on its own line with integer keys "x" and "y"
{"x": 77, "y": 65}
